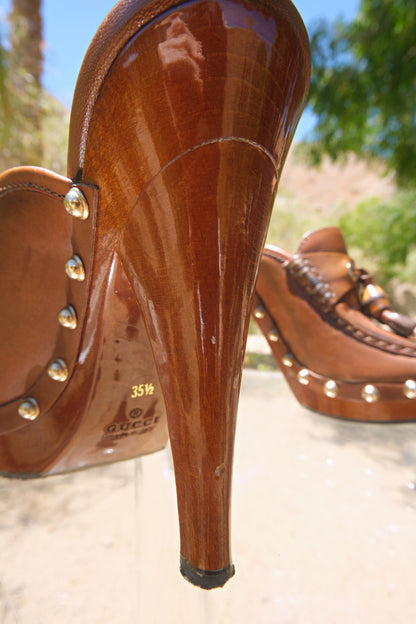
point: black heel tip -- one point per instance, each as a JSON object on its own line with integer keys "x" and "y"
{"x": 206, "y": 579}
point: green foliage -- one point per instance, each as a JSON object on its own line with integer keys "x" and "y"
{"x": 5, "y": 110}
{"x": 2, "y": 74}
{"x": 363, "y": 86}
{"x": 33, "y": 126}
{"x": 384, "y": 232}
{"x": 292, "y": 217}
{"x": 288, "y": 224}
{"x": 260, "y": 361}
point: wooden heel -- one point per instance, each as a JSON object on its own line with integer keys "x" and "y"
{"x": 181, "y": 122}
{"x": 186, "y": 137}
{"x": 195, "y": 289}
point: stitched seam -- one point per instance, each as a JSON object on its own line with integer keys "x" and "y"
{"x": 29, "y": 186}
{"x": 393, "y": 387}
{"x": 300, "y": 273}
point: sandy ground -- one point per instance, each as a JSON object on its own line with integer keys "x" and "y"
{"x": 324, "y": 515}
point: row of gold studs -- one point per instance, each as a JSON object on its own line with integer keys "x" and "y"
{"x": 77, "y": 206}
{"x": 369, "y": 392}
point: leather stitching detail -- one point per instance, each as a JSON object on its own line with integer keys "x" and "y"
{"x": 321, "y": 297}
{"x": 28, "y": 186}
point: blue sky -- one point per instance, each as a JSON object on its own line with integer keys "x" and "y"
{"x": 69, "y": 25}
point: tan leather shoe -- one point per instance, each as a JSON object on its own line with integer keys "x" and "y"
{"x": 343, "y": 351}
{"x": 134, "y": 302}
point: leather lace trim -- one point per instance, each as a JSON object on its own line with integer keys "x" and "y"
{"x": 28, "y": 186}
{"x": 324, "y": 299}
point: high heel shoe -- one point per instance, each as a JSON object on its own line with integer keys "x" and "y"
{"x": 181, "y": 121}
{"x": 341, "y": 348}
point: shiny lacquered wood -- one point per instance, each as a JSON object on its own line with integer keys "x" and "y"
{"x": 182, "y": 118}
{"x": 209, "y": 224}
{"x": 120, "y": 399}
{"x": 185, "y": 137}
{"x": 183, "y": 83}
{"x": 110, "y": 407}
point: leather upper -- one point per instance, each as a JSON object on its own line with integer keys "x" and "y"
{"x": 37, "y": 237}
{"x": 313, "y": 297}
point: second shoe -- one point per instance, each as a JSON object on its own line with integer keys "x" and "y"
{"x": 342, "y": 349}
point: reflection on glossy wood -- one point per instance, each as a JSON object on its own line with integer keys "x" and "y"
{"x": 183, "y": 126}
{"x": 92, "y": 417}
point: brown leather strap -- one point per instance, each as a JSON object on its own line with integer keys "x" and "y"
{"x": 38, "y": 230}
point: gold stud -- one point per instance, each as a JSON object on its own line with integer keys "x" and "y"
{"x": 74, "y": 268}
{"x": 58, "y": 370}
{"x": 409, "y": 389}
{"x": 76, "y": 204}
{"x": 351, "y": 272}
{"x": 288, "y": 360}
{"x": 303, "y": 377}
{"x": 68, "y": 317}
{"x": 331, "y": 389}
{"x": 273, "y": 335}
{"x": 370, "y": 394}
{"x": 259, "y": 312}
{"x": 29, "y": 409}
